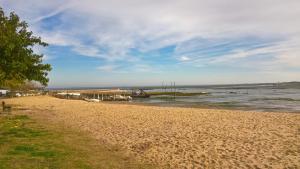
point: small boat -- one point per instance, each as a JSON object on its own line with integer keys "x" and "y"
{"x": 92, "y": 100}
{"x": 123, "y": 98}
{"x": 140, "y": 93}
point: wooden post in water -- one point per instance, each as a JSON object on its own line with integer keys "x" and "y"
{"x": 174, "y": 91}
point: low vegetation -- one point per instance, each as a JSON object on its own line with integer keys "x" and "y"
{"x": 276, "y": 98}
{"x": 25, "y": 143}
{"x": 176, "y": 94}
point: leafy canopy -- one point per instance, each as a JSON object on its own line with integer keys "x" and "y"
{"x": 18, "y": 62}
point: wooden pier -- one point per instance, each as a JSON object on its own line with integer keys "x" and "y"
{"x": 95, "y": 95}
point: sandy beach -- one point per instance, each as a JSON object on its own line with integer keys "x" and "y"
{"x": 180, "y": 137}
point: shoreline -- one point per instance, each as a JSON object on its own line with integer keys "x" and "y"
{"x": 207, "y": 106}
{"x": 200, "y": 106}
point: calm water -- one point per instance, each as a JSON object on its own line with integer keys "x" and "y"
{"x": 259, "y": 97}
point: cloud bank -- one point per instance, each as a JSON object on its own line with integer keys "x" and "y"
{"x": 199, "y": 33}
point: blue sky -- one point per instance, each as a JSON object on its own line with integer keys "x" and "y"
{"x": 147, "y": 42}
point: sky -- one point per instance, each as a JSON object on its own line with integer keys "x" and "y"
{"x": 95, "y": 43}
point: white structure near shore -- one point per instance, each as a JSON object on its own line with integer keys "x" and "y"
{"x": 95, "y": 95}
{"x": 3, "y": 92}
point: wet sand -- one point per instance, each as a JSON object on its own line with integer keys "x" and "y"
{"x": 182, "y": 137}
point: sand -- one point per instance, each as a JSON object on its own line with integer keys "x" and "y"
{"x": 182, "y": 137}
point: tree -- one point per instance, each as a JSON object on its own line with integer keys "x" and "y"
{"x": 18, "y": 62}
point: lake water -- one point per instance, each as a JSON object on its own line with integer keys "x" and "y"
{"x": 258, "y": 97}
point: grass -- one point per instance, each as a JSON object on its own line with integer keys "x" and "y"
{"x": 27, "y": 143}
{"x": 176, "y": 93}
{"x": 275, "y": 98}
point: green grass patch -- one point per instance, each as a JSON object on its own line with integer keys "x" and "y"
{"x": 19, "y": 117}
{"x": 276, "y": 99}
{"x": 27, "y": 143}
{"x": 176, "y": 93}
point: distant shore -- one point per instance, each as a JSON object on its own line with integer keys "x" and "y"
{"x": 173, "y": 137}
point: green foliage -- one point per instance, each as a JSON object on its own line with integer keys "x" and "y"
{"x": 176, "y": 94}
{"x": 26, "y": 142}
{"x": 18, "y": 62}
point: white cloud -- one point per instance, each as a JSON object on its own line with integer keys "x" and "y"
{"x": 58, "y": 38}
{"x": 91, "y": 51}
{"x": 144, "y": 68}
{"x": 285, "y": 54}
{"x": 107, "y": 68}
{"x": 112, "y": 28}
{"x": 56, "y": 11}
{"x": 184, "y": 58}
